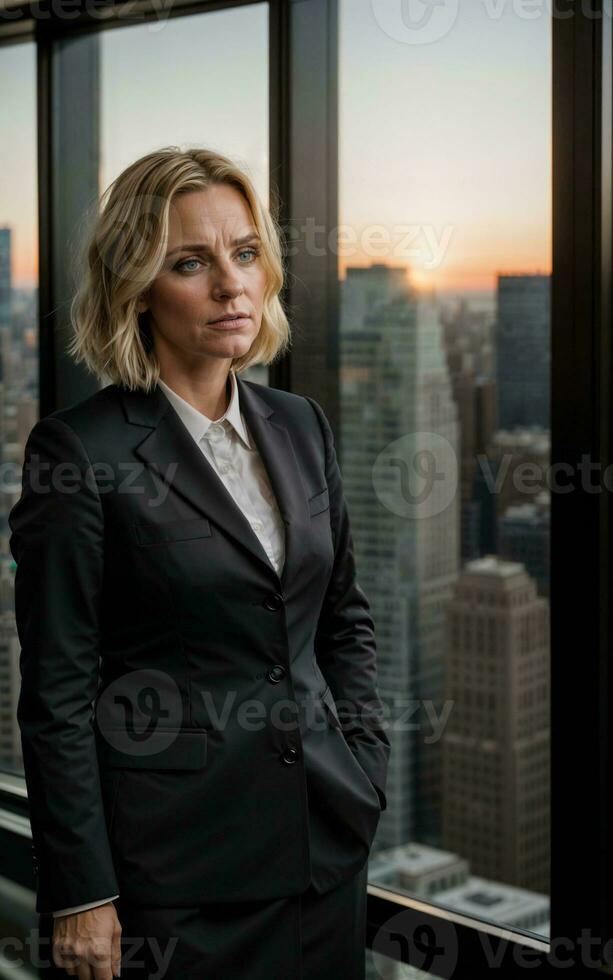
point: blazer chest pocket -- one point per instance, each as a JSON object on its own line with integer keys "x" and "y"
{"x": 181, "y": 530}
{"x": 320, "y": 501}
{"x": 162, "y": 749}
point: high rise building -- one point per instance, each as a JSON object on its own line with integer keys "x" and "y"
{"x": 469, "y": 347}
{"x": 516, "y": 467}
{"x": 366, "y": 289}
{"x": 399, "y": 414}
{"x": 523, "y": 350}
{"x": 10, "y": 742}
{"x": 496, "y": 742}
{"x": 5, "y": 277}
{"x": 524, "y": 535}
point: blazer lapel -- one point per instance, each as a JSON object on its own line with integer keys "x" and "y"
{"x": 169, "y": 449}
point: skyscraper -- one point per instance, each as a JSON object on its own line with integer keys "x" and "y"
{"x": 523, "y": 350}
{"x": 5, "y": 277}
{"x": 366, "y": 289}
{"x": 398, "y": 411}
{"x": 496, "y": 743}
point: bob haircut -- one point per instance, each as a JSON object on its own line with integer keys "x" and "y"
{"x": 125, "y": 250}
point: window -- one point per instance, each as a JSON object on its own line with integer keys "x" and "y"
{"x": 150, "y": 85}
{"x": 19, "y": 401}
{"x": 161, "y": 85}
{"x": 445, "y": 202}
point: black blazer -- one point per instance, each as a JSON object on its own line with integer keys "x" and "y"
{"x": 195, "y": 728}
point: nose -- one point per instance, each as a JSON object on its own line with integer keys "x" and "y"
{"x": 227, "y": 281}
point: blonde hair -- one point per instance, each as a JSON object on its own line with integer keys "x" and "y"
{"x": 125, "y": 249}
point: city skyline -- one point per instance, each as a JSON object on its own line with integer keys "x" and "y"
{"x": 439, "y": 119}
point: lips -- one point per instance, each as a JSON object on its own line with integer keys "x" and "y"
{"x": 227, "y": 317}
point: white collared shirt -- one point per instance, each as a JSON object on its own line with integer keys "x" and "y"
{"x": 229, "y": 448}
{"x": 232, "y": 453}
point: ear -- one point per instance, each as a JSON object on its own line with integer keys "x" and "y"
{"x": 141, "y": 305}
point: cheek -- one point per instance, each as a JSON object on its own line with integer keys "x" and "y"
{"x": 178, "y": 298}
{"x": 259, "y": 287}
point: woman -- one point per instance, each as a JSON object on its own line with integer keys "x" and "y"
{"x": 185, "y": 567}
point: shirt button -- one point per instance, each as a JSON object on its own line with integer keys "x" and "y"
{"x": 257, "y": 524}
{"x": 289, "y": 756}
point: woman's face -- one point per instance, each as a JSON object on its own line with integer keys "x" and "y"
{"x": 206, "y": 275}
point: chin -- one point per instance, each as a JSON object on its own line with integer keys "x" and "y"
{"x": 232, "y": 348}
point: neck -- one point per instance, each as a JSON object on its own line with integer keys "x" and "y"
{"x": 210, "y": 396}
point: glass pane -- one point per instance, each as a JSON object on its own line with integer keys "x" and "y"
{"x": 380, "y": 967}
{"x": 19, "y": 338}
{"x": 445, "y": 260}
{"x": 189, "y": 81}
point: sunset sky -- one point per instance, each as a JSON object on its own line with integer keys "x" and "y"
{"x": 445, "y": 145}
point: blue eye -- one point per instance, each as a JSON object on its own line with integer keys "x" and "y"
{"x": 252, "y": 252}
{"x": 186, "y": 262}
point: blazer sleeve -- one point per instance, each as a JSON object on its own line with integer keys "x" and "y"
{"x": 345, "y": 644}
{"x": 84, "y": 908}
{"x": 57, "y": 539}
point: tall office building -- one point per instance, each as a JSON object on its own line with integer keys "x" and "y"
{"x": 496, "y": 742}
{"x": 468, "y": 338}
{"x": 398, "y": 413}
{"x": 5, "y": 277}
{"x": 524, "y": 535}
{"x": 10, "y": 742}
{"x": 516, "y": 467}
{"x": 365, "y": 289}
{"x": 478, "y": 526}
{"x": 523, "y": 350}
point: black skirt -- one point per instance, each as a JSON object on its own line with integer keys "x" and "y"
{"x": 303, "y": 937}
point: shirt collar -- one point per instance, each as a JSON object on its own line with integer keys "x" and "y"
{"x": 197, "y": 423}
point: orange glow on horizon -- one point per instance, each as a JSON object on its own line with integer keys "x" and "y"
{"x": 25, "y": 268}
{"x": 461, "y": 278}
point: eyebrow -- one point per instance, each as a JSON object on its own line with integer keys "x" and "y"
{"x": 203, "y": 247}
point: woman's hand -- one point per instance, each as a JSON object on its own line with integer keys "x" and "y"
{"x": 88, "y": 944}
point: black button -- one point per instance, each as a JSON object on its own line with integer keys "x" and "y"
{"x": 276, "y": 673}
{"x": 290, "y": 756}
{"x": 273, "y": 601}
